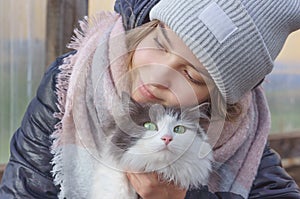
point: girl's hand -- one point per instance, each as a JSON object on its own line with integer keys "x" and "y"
{"x": 148, "y": 186}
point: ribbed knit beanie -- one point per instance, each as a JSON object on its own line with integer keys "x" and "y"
{"x": 236, "y": 40}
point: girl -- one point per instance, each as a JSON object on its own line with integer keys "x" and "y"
{"x": 192, "y": 52}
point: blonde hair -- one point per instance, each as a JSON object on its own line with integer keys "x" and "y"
{"x": 136, "y": 35}
{"x": 222, "y": 110}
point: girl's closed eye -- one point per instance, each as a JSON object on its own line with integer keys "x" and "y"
{"x": 193, "y": 78}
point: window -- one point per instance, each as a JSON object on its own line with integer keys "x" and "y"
{"x": 22, "y": 60}
{"x": 283, "y": 88}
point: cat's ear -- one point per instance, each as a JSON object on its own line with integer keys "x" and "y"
{"x": 200, "y": 111}
{"x": 156, "y": 111}
{"x": 128, "y": 102}
{"x": 125, "y": 97}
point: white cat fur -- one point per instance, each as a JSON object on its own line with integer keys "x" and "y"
{"x": 187, "y": 164}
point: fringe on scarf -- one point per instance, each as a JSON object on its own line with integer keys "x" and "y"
{"x": 88, "y": 28}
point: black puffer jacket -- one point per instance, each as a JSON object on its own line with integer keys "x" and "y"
{"x": 28, "y": 173}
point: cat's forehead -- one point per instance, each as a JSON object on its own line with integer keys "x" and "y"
{"x": 158, "y": 110}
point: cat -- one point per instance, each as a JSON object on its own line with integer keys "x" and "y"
{"x": 148, "y": 138}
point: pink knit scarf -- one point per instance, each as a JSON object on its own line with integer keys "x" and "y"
{"x": 239, "y": 146}
{"x": 86, "y": 94}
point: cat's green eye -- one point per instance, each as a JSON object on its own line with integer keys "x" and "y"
{"x": 150, "y": 126}
{"x": 179, "y": 129}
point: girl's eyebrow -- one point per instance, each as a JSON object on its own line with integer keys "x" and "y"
{"x": 162, "y": 28}
{"x": 164, "y": 33}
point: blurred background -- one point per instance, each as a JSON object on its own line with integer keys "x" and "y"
{"x": 34, "y": 32}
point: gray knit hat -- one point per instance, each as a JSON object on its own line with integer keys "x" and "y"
{"x": 236, "y": 40}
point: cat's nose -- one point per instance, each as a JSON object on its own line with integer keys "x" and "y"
{"x": 167, "y": 139}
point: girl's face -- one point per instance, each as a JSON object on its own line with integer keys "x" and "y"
{"x": 165, "y": 71}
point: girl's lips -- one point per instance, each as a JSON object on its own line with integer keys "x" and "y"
{"x": 146, "y": 92}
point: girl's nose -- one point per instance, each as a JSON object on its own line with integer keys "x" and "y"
{"x": 167, "y": 139}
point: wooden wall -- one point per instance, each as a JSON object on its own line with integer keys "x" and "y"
{"x": 62, "y": 18}
{"x": 2, "y": 167}
{"x": 96, "y": 5}
{"x": 288, "y": 147}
